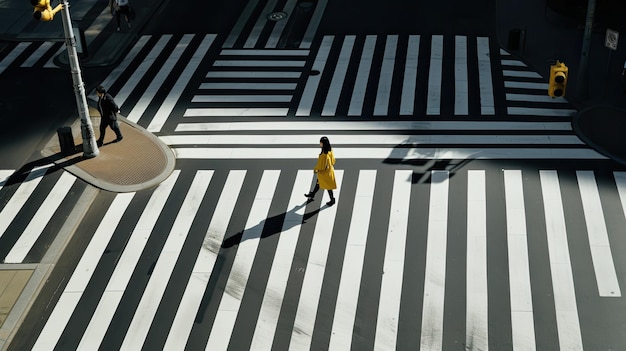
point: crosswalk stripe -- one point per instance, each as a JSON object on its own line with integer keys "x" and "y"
{"x": 274, "y": 40}
{"x": 205, "y": 261}
{"x": 314, "y": 22}
{"x": 249, "y": 86}
{"x": 252, "y": 74}
{"x": 82, "y": 274}
{"x": 35, "y": 56}
{"x": 261, "y": 21}
{"x": 409, "y": 84}
{"x": 258, "y": 63}
{"x": 40, "y": 219}
{"x": 520, "y": 74}
{"x": 484, "y": 77}
{"x": 144, "y": 315}
{"x": 606, "y": 277}
{"x": 120, "y": 278}
{"x": 281, "y": 265}
{"x": 332, "y": 98}
{"x": 264, "y": 52}
{"x": 526, "y": 85}
{"x": 530, "y": 111}
{"x": 234, "y": 111}
{"x": 435, "y": 271}
{"x": 352, "y": 269}
{"x": 314, "y": 273}
{"x": 23, "y": 192}
{"x": 312, "y": 83}
{"x": 522, "y": 325}
{"x": 4, "y": 176}
{"x": 381, "y": 105}
{"x": 4, "y": 64}
{"x": 224, "y": 321}
{"x": 393, "y": 266}
{"x": 242, "y": 98}
{"x": 568, "y": 326}
{"x": 360, "y": 85}
{"x": 534, "y": 98}
{"x": 433, "y": 102}
{"x": 460, "y": 76}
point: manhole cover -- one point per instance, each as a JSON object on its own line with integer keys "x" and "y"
{"x": 277, "y": 16}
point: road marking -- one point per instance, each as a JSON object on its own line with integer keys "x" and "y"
{"x": 336, "y": 84}
{"x": 409, "y": 84}
{"x": 383, "y": 93}
{"x": 360, "y": 85}
{"x": 433, "y": 101}
{"x": 312, "y": 83}
{"x": 484, "y": 77}
{"x": 461, "y": 89}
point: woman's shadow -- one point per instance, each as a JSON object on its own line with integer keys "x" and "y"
{"x": 274, "y": 225}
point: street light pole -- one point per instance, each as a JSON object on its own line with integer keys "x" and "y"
{"x": 90, "y": 148}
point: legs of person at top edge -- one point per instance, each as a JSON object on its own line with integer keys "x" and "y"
{"x": 311, "y": 195}
{"x": 123, "y": 10}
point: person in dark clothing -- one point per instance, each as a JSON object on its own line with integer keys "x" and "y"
{"x": 108, "y": 113}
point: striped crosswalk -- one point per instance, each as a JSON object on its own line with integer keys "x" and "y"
{"x": 242, "y": 243}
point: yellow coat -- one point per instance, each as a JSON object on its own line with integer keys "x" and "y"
{"x": 325, "y": 171}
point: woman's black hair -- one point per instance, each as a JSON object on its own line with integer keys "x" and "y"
{"x": 325, "y": 145}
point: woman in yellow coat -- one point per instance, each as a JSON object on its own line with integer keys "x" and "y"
{"x": 325, "y": 171}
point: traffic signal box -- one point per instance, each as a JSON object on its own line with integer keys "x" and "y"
{"x": 558, "y": 79}
{"x": 44, "y": 11}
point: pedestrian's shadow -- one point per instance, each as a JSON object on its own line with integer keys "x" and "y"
{"x": 20, "y": 174}
{"x": 273, "y": 225}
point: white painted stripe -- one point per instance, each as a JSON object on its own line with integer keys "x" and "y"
{"x": 435, "y": 270}
{"x": 381, "y": 105}
{"x": 391, "y": 153}
{"x": 568, "y": 327}
{"x": 352, "y": 269}
{"x": 528, "y": 111}
{"x": 176, "y": 91}
{"x": 369, "y": 139}
{"x": 526, "y": 85}
{"x": 281, "y": 266}
{"x": 409, "y": 84}
{"x": 21, "y": 195}
{"x": 117, "y": 72}
{"x": 477, "y": 303}
{"x": 261, "y": 21}
{"x": 374, "y": 125}
{"x": 39, "y": 221}
{"x": 433, "y": 101}
{"x": 313, "y": 82}
{"x": 152, "y": 294}
{"x": 314, "y": 273}
{"x": 112, "y": 295}
{"x": 253, "y": 74}
{"x": 233, "y": 111}
{"x": 484, "y": 77}
{"x": 241, "y": 22}
{"x": 534, "y": 98}
{"x": 316, "y": 18}
{"x": 341, "y": 67}
{"x": 264, "y": 52}
{"x": 620, "y": 182}
{"x": 249, "y": 86}
{"x": 8, "y": 59}
{"x": 224, "y": 321}
{"x": 75, "y": 287}
{"x": 5, "y": 174}
{"x": 461, "y": 89}
{"x": 504, "y": 53}
{"x": 522, "y": 324}
{"x": 140, "y": 71}
{"x": 157, "y": 82}
{"x": 520, "y": 74}
{"x": 393, "y": 266}
{"x": 360, "y": 85}
{"x": 35, "y": 56}
{"x": 241, "y": 98}
{"x": 606, "y": 277}
{"x": 50, "y": 62}
{"x": 258, "y": 63}
{"x": 279, "y": 26}
{"x": 516, "y": 63}
{"x": 205, "y": 262}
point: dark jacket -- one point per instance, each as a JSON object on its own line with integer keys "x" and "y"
{"x": 108, "y": 108}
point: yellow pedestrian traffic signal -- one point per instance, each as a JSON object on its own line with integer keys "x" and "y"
{"x": 44, "y": 11}
{"x": 558, "y": 79}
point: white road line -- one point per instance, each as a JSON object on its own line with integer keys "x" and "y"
{"x": 281, "y": 265}
{"x": 391, "y": 153}
{"x": 153, "y": 293}
{"x": 393, "y": 266}
{"x": 279, "y": 27}
{"x": 242, "y": 98}
{"x": 39, "y": 221}
{"x": 352, "y": 269}
{"x": 568, "y": 327}
{"x": 484, "y": 77}
{"x": 526, "y": 85}
{"x": 228, "y": 309}
{"x": 4, "y": 64}
{"x": 620, "y": 182}
{"x": 534, "y": 98}
{"x": 433, "y": 101}
{"x": 477, "y": 314}
{"x": 21, "y": 195}
{"x": 435, "y": 271}
{"x": 522, "y": 323}
{"x": 520, "y": 74}
{"x": 409, "y": 84}
{"x": 313, "y": 82}
{"x": 233, "y": 111}
{"x": 461, "y": 89}
{"x": 168, "y": 104}
{"x": 4, "y": 176}
{"x": 314, "y": 272}
{"x": 606, "y": 277}
{"x": 360, "y": 85}
{"x": 157, "y": 82}
{"x": 258, "y": 63}
{"x": 516, "y": 63}
{"x": 50, "y": 62}
{"x": 75, "y": 287}
{"x": 205, "y": 262}
{"x": 112, "y": 295}
{"x": 261, "y": 21}
{"x": 383, "y": 93}
{"x": 241, "y": 22}
{"x": 339, "y": 76}
{"x": 35, "y": 56}
{"x": 264, "y": 52}
{"x": 530, "y": 111}
{"x": 249, "y": 86}
{"x": 316, "y": 18}
{"x": 253, "y": 74}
